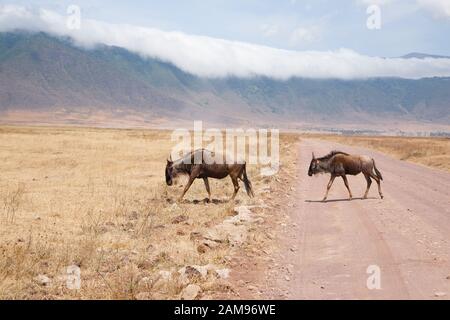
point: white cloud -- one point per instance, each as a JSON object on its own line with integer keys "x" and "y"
{"x": 439, "y": 8}
{"x": 211, "y": 57}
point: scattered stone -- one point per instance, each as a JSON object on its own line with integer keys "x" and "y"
{"x": 208, "y": 224}
{"x": 190, "y": 292}
{"x": 163, "y": 280}
{"x": 243, "y": 214}
{"x": 43, "y": 280}
{"x": 179, "y": 219}
{"x": 202, "y": 248}
{"x": 223, "y": 273}
{"x": 165, "y": 275}
{"x": 440, "y": 294}
{"x": 145, "y": 281}
{"x": 215, "y": 235}
{"x": 210, "y": 244}
{"x": 195, "y": 236}
{"x": 189, "y": 273}
{"x": 287, "y": 278}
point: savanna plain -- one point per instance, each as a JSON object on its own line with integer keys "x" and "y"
{"x": 97, "y": 199}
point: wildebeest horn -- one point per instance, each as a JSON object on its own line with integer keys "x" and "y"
{"x": 313, "y": 155}
{"x": 169, "y": 160}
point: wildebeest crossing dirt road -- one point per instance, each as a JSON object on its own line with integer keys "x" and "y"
{"x": 329, "y": 250}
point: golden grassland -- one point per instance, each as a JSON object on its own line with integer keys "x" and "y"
{"x": 97, "y": 199}
{"x": 431, "y": 152}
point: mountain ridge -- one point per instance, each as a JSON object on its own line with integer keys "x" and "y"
{"x": 42, "y": 73}
{"x": 419, "y": 55}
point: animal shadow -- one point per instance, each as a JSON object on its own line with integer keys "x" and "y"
{"x": 339, "y": 200}
{"x": 204, "y": 201}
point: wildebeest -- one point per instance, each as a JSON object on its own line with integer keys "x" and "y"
{"x": 205, "y": 170}
{"x": 339, "y": 164}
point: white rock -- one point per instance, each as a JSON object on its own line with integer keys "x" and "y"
{"x": 243, "y": 214}
{"x": 43, "y": 280}
{"x": 145, "y": 281}
{"x": 227, "y": 231}
{"x": 165, "y": 275}
{"x": 190, "y": 292}
{"x": 223, "y": 273}
{"x": 202, "y": 270}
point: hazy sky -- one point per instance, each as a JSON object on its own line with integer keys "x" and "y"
{"x": 281, "y": 39}
{"x": 406, "y": 25}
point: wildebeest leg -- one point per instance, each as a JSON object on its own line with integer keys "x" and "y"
{"x": 344, "y": 177}
{"x": 207, "y": 188}
{"x": 188, "y": 185}
{"x": 194, "y": 174}
{"x": 379, "y": 184}
{"x": 369, "y": 182}
{"x": 329, "y": 186}
{"x": 236, "y": 186}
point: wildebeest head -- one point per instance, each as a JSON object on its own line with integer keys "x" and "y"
{"x": 169, "y": 172}
{"x": 313, "y": 166}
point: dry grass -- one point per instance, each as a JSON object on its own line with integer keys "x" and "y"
{"x": 97, "y": 199}
{"x": 432, "y": 152}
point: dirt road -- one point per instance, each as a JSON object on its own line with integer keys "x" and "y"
{"x": 327, "y": 248}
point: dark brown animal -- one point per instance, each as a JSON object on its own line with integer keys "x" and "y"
{"x": 207, "y": 169}
{"x": 340, "y": 164}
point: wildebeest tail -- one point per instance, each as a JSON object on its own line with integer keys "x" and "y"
{"x": 247, "y": 183}
{"x": 376, "y": 171}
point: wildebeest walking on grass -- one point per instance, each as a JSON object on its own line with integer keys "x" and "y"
{"x": 340, "y": 164}
{"x": 207, "y": 169}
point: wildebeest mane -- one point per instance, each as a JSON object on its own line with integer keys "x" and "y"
{"x": 332, "y": 154}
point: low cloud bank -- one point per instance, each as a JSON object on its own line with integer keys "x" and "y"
{"x": 211, "y": 57}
